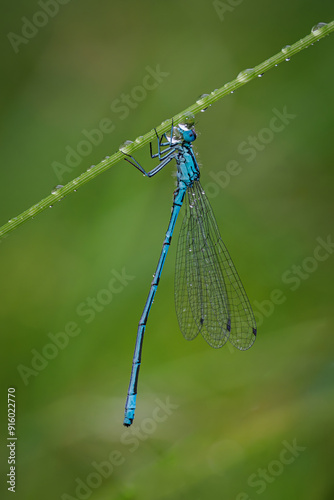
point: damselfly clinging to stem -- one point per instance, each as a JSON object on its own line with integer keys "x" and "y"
{"x": 209, "y": 296}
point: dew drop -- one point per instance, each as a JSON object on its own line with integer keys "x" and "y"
{"x": 139, "y": 139}
{"x": 201, "y": 101}
{"x": 123, "y": 147}
{"x": 317, "y": 28}
{"x": 188, "y": 121}
{"x": 286, "y": 49}
{"x": 201, "y": 97}
{"x": 245, "y": 74}
{"x": 261, "y": 74}
{"x": 176, "y": 137}
{"x": 56, "y": 188}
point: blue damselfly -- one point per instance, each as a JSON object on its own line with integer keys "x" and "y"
{"x": 209, "y": 296}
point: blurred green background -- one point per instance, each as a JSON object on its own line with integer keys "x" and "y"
{"x": 226, "y": 424}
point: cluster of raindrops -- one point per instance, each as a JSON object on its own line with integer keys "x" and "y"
{"x": 243, "y": 76}
{"x": 189, "y": 119}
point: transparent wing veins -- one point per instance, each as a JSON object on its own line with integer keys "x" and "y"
{"x": 209, "y": 295}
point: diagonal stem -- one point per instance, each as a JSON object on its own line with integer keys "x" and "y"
{"x": 318, "y": 32}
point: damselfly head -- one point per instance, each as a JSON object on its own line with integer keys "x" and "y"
{"x": 188, "y": 135}
{"x": 184, "y": 132}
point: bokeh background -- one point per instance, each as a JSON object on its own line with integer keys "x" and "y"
{"x": 210, "y": 423}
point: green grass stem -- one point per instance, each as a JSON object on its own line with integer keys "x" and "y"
{"x": 318, "y": 32}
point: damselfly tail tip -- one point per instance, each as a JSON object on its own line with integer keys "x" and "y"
{"x": 130, "y": 408}
{"x": 127, "y": 422}
{"x": 129, "y": 416}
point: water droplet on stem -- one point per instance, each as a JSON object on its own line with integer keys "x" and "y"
{"x": 317, "y": 28}
{"x": 286, "y": 49}
{"x": 245, "y": 74}
{"x": 188, "y": 121}
{"x": 201, "y": 100}
{"x": 56, "y": 189}
{"x": 123, "y": 147}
